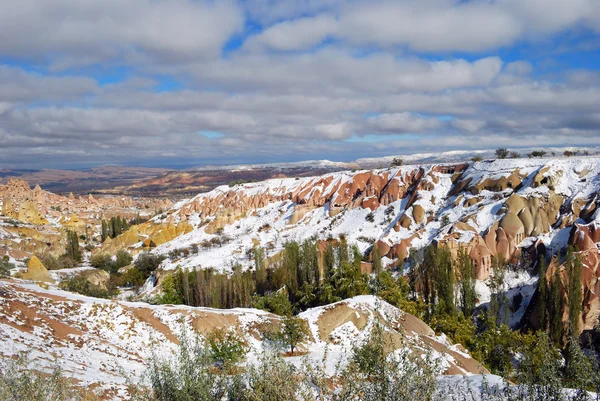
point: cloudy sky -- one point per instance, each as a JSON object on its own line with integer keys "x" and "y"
{"x": 192, "y": 82}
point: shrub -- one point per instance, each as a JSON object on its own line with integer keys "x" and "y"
{"x": 20, "y": 383}
{"x": 5, "y": 267}
{"x": 147, "y": 262}
{"x": 81, "y": 285}
{"x": 133, "y": 277}
{"x": 103, "y": 262}
{"x": 514, "y": 155}
{"x": 226, "y": 349}
{"x": 374, "y": 375}
{"x": 476, "y": 159}
{"x": 277, "y": 303}
{"x": 501, "y": 153}
{"x": 536, "y": 153}
{"x": 370, "y": 217}
{"x": 123, "y": 259}
{"x": 52, "y": 263}
{"x": 396, "y": 162}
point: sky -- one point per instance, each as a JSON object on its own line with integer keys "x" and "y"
{"x": 193, "y": 82}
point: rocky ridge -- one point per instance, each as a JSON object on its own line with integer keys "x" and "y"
{"x": 509, "y": 208}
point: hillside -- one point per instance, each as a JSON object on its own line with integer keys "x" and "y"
{"x": 500, "y": 207}
{"x": 103, "y": 343}
{"x": 504, "y": 216}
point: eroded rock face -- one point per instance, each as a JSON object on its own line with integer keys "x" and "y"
{"x": 42, "y": 218}
{"x": 36, "y": 271}
{"x": 492, "y": 209}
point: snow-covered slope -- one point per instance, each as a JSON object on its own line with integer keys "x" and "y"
{"x": 410, "y": 207}
{"x": 505, "y": 208}
{"x": 104, "y": 343}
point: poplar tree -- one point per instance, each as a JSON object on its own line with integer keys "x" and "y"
{"x": 73, "y": 250}
{"x": 556, "y": 308}
{"x": 376, "y": 260}
{"x": 543, "y": 293}
{"x": 574, "y": 297}
{"x": 467, "y": 282}
{"x": 260, "y": 270}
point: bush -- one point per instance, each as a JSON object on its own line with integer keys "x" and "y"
{"x": 476, "y": 159}
{"x": 501, "y": 153}
{"x": 133, "y": 277}
{"x": 396, "y": 162}
{"x": 374, "y": 375}
{"x": 147, "y": 262}
{"x": 370, "y": 217}
{"x": 123, "y": 259}
{"x": 536, "y": 153}
{"x": 5, "y": 267}
{"x": 226, "y": 349}
{"x": 103, "y": 262}
{"x": 52, "y": 263}
{"x": 81, "y": 285}
{"x": 20, "y": 383}
{"x": 514, "y": 155}
{"x": 276, "y": 302}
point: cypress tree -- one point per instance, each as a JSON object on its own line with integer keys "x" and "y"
{"x": 260, "y": 270}
{"x": 556, "y": 308}
{"x": 376, "y": 261}
{"x": 496, "y": 287}
{"x": 445, "y": 281}
{"x": 574, "y": 296}
{"x": 328, "y": 262}
{"x": 467, "y": 282}
{"x": 104, "y": 230}
{"x": 543, "y": 293}
{"x": 73, "y": 250}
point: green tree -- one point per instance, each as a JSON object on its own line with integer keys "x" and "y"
{"x": 501, "y": 153}
{"x": 73, "y": 249}
{"x": 294, "y": 331}
{"x": 543, "y": 293}
{"x": 104, "y": 232}
{"x": 573, "y": 268}
{"x": 226, "y": 349}
{"x": 260, "y": 270}
{"x": 578, "y": 369}
{"x": 467, "y": 282}
{"x": 396, "y": 162}
{"x": 556, "y": 308}
{"x": 376, "y": 260}
{"x": 147, "y": 262}
{"x": 497, "y": 298}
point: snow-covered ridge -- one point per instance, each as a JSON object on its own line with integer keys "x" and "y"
{"x": 399, "y": 208}
{"x": 104, "y": 342}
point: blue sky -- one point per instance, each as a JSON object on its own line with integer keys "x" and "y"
{"x": 191, "y": 82}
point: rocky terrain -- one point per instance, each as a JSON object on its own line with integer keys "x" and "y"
{"x": 82, "y": 181}
{"x": 34, "y": 221}
{"x": 518, "y": 210}
{"x": 509, "y": 208}
{"x": 102, "y": 343}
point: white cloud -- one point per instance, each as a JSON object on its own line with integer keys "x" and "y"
{"x": 299, "y": 34}
{"x": 89, "y": 31}
{"x": 467, "y": 125}
{"x": 402, "y": 123}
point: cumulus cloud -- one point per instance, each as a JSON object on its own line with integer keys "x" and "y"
{"x": 88, "y": 31}
{"x": 287, "y": 79}
{"x": 403, "y": 123}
